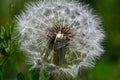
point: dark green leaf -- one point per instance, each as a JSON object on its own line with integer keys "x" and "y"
{"x": 20, "y": 76}
{"x": 35, "y": 74}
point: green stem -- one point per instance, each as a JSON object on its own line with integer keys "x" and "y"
{"x": 59, "y": 56}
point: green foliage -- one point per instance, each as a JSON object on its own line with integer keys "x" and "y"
{"x": 5, "y": 40}
{"x": 20, "y": 76}
{"x": 43, "y": 76}
{"x": 35, "y": 74}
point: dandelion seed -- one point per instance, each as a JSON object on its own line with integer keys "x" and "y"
{"x": 60, "y": 36}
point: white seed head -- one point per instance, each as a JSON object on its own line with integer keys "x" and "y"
{"x": 79, "y": 31}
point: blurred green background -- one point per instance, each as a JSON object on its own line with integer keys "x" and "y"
{"x": 106, "y": 68}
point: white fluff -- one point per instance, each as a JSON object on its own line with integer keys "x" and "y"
{"x": 38, "y": 16}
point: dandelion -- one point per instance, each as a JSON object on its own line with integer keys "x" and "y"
{"x": 60, "y": 36}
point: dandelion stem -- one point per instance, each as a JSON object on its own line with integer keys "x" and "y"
{"x": 59, "y": 56}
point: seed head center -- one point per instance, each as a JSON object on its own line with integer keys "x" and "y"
{"x": 61, "y": 34}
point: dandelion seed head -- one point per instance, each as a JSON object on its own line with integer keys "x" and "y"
{"x": 48, "y": 26}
